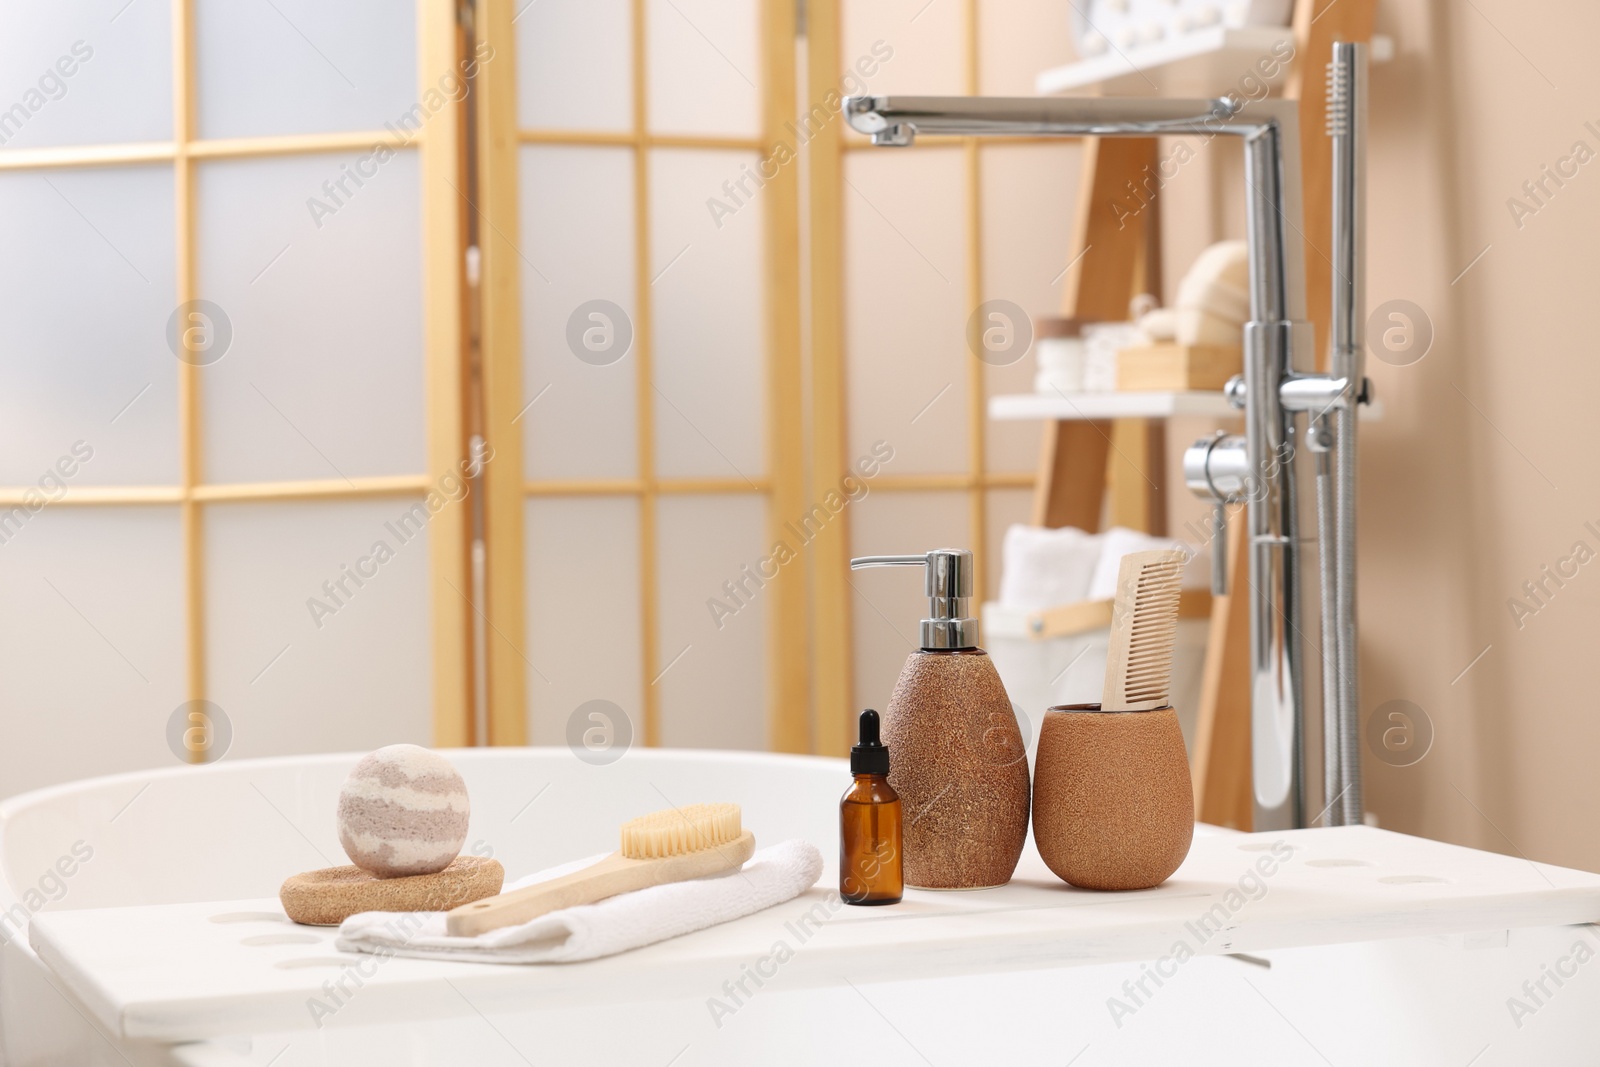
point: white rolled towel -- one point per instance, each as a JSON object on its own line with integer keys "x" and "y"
{"x": 1119, "y": 541}
{"x": 590, "y": 931}
{"x": 1040, "y": 568}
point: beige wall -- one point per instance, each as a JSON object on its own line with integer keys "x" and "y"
{"x": 1482, "y": 469}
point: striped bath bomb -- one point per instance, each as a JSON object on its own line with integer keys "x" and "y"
{"x": 402, "y": 811}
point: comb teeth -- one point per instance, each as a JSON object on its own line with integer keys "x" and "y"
{"x": 676, "y": 831}
{"x": 1144, "y": 628}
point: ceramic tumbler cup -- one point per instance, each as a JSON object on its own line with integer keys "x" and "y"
{"x": 1113, "y": 807}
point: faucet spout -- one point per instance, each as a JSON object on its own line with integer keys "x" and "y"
{"x": 896, "y": 120}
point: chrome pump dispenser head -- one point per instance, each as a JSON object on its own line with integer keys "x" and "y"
{"x": 949, "y": 589}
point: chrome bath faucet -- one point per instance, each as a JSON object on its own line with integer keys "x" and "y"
{"x": 1262, "y": 468}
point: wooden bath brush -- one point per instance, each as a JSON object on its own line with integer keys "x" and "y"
{"x": 675, "y": 845}
{"x": 1113, "y": 807}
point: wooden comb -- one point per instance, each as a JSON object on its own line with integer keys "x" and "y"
{"x": 1144, "y": 627}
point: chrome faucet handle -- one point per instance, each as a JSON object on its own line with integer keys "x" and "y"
{"x": 1236, "y": 392}
{"x": 1217, "y": 468}
{"x": 1219, "y": 549}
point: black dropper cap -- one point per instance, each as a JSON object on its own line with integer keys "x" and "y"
{"x": 869, "y": 756}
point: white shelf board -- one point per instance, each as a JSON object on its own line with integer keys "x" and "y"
{"x": 172, "y": 972}
{"x": 1207, "y": 62}
{"x": 1132, "y": 405}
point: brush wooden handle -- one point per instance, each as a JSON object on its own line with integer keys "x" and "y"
{"x": 613, "y": 875}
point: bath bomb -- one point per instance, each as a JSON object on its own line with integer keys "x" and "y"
{"x": 403, "y": 811}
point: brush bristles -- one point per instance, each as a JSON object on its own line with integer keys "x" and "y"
{"x": 678, "y": 830}
{"x": 1144, "y": 631}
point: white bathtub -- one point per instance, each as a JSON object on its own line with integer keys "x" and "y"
{"x": 232, "y": 831}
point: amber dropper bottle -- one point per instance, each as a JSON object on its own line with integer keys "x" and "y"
{"x": 869, "y": 825}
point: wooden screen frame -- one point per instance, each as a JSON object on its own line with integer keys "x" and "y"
{"x": 506, "y": 488}
{"x": 832, "y": 631}
{"x": 440, "y": 163}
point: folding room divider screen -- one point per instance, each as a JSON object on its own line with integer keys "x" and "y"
{"x": 676, "y": 141}
{"x": 230, "y": 258}
{"x": 907, "y": 244}
{"x": 642, "y": 373}
{"x": 275, "y": 271}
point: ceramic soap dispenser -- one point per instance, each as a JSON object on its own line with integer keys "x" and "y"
{"x": 959, "y": 764}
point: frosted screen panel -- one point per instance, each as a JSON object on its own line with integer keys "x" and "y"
{"x": 323, "y": 377}
{"x": 91, "y": 642}
{"x": 86, "y": 263}
{"x": 906, "y": 306}
{"x": 574, "y": 64}
{"x": 1020, "y": 38}
{"x": 300, "y": 66}
{"x": 1006, "y": 507}
{"x": 85, "y": 72}
{"x": 300, "y": 656}
{"x": 1030, "y": 195}
{"x": 862, "y": 73}
{"x": 713, "y": 664}
{"x": 710, "y": 354}
{"x": 580, "y": 357}
{"x": 887, "y": 603}
{"x": 584, "y": 637}
{"x": 919, "y": 45}
{"x": 704, "y": 66}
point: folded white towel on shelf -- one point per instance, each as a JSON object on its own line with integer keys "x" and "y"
{"x": 1120, "y": 541}
{"x": 1041, "y": 568}
{"x": 1102, "y": 341}
{"x": 1044, "y": 568}
{"x": 590, "y": 931}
